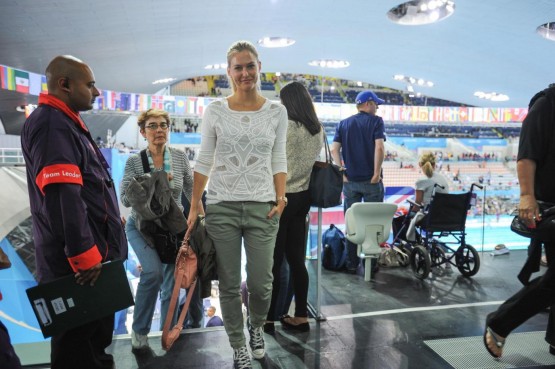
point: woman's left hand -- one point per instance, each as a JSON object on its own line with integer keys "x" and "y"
{"x": 276, "y": 209}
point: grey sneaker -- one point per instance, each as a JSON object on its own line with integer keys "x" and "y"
{"x": 241, "y": 358}
{"x": 256, "y": 341}
{"x": 139, "y": 341}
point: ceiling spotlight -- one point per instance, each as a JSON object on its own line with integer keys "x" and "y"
{"x": 329, "y": 63}
{"x": 163, "y": 80}
{"x": 216, "y": 66}
{"x": 413, "y": 80}
{"x": 276, "y": 42}
{"x": 493, "y": 96}
{"x": 547, "y": 31}
{"x": 418, "y": 12}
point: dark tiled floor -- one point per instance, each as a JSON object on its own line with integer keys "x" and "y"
{"x": 377, "y": 324}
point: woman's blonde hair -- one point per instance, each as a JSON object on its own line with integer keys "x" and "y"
{"x": 427, "y": 163}
{"x": 152, "y": 113}
{"x": 238, "y": 47}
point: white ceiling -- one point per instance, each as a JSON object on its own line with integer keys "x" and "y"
{"x": 487, "y": 45}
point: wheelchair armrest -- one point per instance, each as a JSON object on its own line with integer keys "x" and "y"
{"x": 414, "y": 203}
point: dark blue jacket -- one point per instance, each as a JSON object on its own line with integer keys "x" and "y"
{"x": 76, "y": 219}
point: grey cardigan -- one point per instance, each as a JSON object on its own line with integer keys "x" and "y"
{"x": 181, "y": 171}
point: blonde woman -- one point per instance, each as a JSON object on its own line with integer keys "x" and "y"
{"x": 243, "y": 153}
{"x": 424, "y": 189}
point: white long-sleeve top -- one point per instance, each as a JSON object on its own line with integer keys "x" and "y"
{"x": 240, "y": 151}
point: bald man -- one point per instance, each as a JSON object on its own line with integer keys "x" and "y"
{"x": 76, "y": 220}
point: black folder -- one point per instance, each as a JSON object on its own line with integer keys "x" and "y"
{"x": 63, "y": 304}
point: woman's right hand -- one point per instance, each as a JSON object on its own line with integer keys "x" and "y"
{"x": 193, "y": 215}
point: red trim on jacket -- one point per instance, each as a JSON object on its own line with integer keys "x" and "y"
{"x": 45, "y": 99}
{"x": 85, "y": 260}
{"x": 58, "y": 173}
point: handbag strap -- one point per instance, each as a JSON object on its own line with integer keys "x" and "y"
{"x": 173, "y": 303}
{"x": 144, "y": 160}
{"x": 327, "y": 150}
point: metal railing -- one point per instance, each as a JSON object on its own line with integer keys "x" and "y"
{"x": 11, "y": 157}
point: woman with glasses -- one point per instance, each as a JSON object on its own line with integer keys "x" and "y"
{"x": 155, "y": 276}
{"x": 242, "y": 151}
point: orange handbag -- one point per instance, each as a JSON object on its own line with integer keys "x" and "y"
{"x": 185, "y": 277}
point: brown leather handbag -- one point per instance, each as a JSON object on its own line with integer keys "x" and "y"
{"x": 185, "y": 277}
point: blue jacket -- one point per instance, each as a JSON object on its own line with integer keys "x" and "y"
{"x": 75, "y": 213}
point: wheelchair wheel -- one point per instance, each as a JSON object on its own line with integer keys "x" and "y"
{"x": 420, "y": 262}
{"x": 468, "y": 260}
{"x": 437, "y": 255}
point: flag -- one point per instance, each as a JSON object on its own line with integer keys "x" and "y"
{"x": 7, "y": 77}
{"x": 21, "y": 81}
{"x": 35, "y": 84}
{"x": 180, "y": 105}
{"x": 43, "y": 85}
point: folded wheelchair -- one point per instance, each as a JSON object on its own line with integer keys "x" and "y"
{"x": 440, "y": 236}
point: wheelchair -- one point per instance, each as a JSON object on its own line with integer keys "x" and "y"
{"x": 445, "y": 219}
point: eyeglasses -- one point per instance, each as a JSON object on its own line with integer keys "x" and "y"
{"x": 154, "y": 126}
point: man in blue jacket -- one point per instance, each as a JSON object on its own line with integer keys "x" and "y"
{"x": 76, "y": 220}
{"x": 359, "y": 139}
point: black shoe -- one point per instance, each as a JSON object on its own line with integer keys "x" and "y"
{"x": 551, "y": 350}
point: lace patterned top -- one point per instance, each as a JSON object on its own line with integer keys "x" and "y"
{"x": 241, "y": 151}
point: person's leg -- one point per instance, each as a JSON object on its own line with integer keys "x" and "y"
{"x": 74, "y": 348}
{"x": 102, "y": 338}
{"x": 8, "y": 357}
{"x": 260, "y": 239}
{"x": 372, "y": 192}
{"x": 295, "y": 251}
{"x": 150, "y": 279}
{"x": 166, "y": 289}
{"x": 279, "y": 250}
{"x": 550, "y": 331}
{"x": 529, "y": 301}
{"x": 351, "y": 195}
{"x": 223, "y": 226}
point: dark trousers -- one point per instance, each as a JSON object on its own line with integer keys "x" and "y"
{"x": 83, "y": 347}
{"x": 291, "y": 242}
{"x": 8, "y": 357}
{"x": 527, "y": 302}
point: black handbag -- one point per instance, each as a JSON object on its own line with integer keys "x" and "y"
{"x": 326, "y": 182}
{"x": 545, "y": 228}
{"x": 166, "y": 243}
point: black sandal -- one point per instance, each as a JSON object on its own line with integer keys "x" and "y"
{"x": 498, "y": 342}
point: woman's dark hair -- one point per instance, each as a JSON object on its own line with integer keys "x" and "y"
{"x": 299, "y": 106}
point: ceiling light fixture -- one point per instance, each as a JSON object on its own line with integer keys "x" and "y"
{"x": 216, "y": 66}
{"x": 547, "y": 31}
{"x": 493, "y": 96}
{"x": 276, "y": 42}
{"x": 418, "y": 12}
{"x": 163, "y": 80}
{"x": 413, "y": 80}
{"x": 329, "y": 63}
